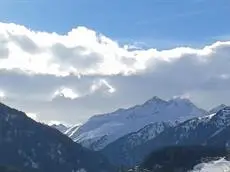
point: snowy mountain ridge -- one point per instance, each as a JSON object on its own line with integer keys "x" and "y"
{"x": 147, "y": 133}
{"x": 101, "y": 130}
{"x": 219, "y": 120}
{"x": 207, "y": 130}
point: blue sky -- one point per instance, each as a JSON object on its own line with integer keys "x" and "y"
{"x": 158, "y": 23}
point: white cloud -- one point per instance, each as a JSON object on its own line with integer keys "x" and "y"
{"x": 2, "y": 94}
{"x": 66, "y": 92}
{"x": 102, "y": 84}
{"x": 53, "y": 122}
{"x": 81, "y": 52}
{"x": 183, "y": 96}
{"x": 73, "y": 76}
{"x": 32, "y": 116}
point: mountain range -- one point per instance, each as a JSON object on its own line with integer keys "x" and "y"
{"x": 121, "y": 139}
{"x": 209, "y": 130}
{"x": 101, "y": 130}
{"x": 127, "y": 136}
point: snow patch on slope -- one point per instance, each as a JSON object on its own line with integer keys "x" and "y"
{"x": 221, "y": 165}
{"x": 72, "y": 130}
{"x": 147, "y": 133}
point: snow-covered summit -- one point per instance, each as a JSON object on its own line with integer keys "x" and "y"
{"x": 100, "y": 130}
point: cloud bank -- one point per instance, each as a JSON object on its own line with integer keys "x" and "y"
{"x": 81, "y": 73}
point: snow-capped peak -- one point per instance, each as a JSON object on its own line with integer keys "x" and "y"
{"x": 106, "y": 128}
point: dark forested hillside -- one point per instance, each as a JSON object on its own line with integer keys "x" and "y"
{"x": 9, "y": 169}
{"x": 181, "y": 159}
{"x": 30, "y": 146}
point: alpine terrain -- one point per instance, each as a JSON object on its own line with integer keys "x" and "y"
{"x": 155, "y": 115}
{"x": 210, "y": 130}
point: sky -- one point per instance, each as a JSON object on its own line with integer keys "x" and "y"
{"x": 68, "y": 60}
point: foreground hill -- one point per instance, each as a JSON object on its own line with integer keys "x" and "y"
{"x": 9, "y": 169}
{"x": 30, "y": 146}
